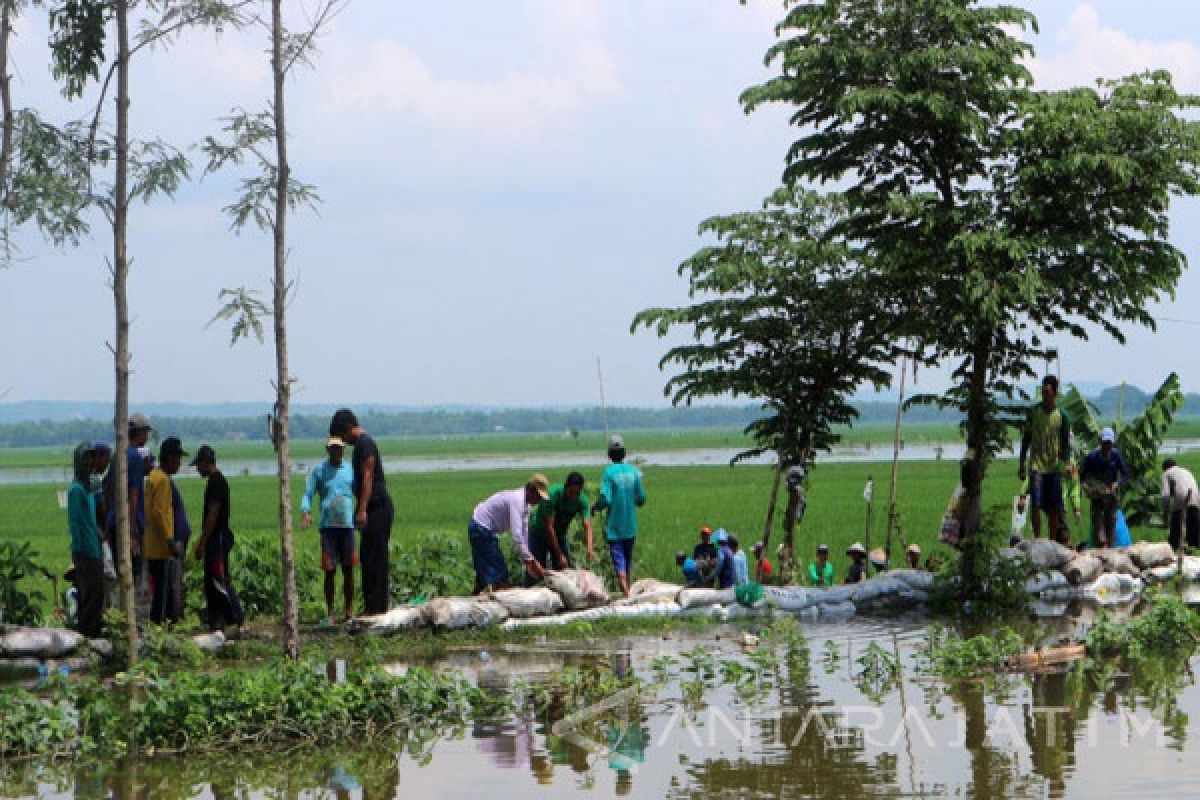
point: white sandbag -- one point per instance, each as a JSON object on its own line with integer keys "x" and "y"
{"x": 698, "y": 598}
{"x": 1191, "y": 569}
{"x": 661, "y": 608}
{"x": 1115, "y": 561}
{"x": 835, "y": 611}
{"x": 882, "y": 592}
{"x": 453, "y": 613}
{"x": 578, "y": 588}
{"x": 650, "y": 590}
{"x": 1148, "y": 555}
{"x": 525, "y": 603}
{"x": 39, "y": 642}
{"x": 209, "y": 641}
{"x": 401, "y": 618}
{"x": 789, "y": 598}
{"x": 1046, "y": 581}
{"x": 1046, "y": 554}
{"x": 1161, "y": 574}
{"x": 101, "y": 647}
{"x": 1112, "y": 588}
{"x": 845, "y": 593}
{"x": 565, "y": 618}
{"x": 1083, "y": 569}
{"x": 915, "y": 578}
{"x": 1049, "y": 609}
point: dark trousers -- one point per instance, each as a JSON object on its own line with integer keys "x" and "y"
{"x": 1187, "y": 521}
{"x": 220, "y": 599}
{"x": 89, "y": 588}
{"x": 162, "y": 589}
{"x": 373, "y": 556}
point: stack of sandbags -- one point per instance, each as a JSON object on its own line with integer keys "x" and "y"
{"x": 1046, "y": 554}
{"x": 1113, "y": 588}
{"x": 578, "y": 588}
{"x": 701, "y": 598}
{"x": 454, "y": 613}
{"x": 650, "y": 590}
{"x": 1116, "y": 561}
{"x": 789, "y": 598}
{"x": 1148, "y": 555}
{"x": 401, "y": 618}
{"x": 1050, "y": 584}
{"x": 886, "y": 593}
{"x": 917, "y": 579}
{"x": 1083, "y": 569}
{"x": 525, "y": 603}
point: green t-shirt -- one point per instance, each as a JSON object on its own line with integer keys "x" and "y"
{"x": 1047, "y": 431}
{"x": 562, "y": 507}
{"x": 817, "y": 579}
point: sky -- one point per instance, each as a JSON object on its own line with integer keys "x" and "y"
{"x": 504, "y": 185}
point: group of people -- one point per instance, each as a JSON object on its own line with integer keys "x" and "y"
{"x": 160, "y": 531}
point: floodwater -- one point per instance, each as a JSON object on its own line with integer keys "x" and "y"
{"x": 808, "y": 726}
{"x": 666, "y": 458}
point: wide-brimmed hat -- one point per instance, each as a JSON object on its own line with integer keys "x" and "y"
{"x": 540, "y": 484}
{"x": 334, "y": 441}
{"x": 913, "y": 548}
{"x": 856, "y": 549}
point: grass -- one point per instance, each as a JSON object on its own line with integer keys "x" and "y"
{"x": 681, "y": 499}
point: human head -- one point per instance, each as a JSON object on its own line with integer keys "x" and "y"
{"x": 758, "y": 549}
{"x": 616, "y": 448}
{"x": 139, "y": 429}
{"x": 205, "y": 461}
{"x": 170, "y": 455}
{"x": 732, "y": 541}
{"x": 573, "y": 486}
{"x": 913, "y": 554}
{"x": 857, "y": 552}
{"x": 344, "y": 425}
{"x": 101, "y": 456}
{"x": 705, "y": 533}
{"x": 536, "y": 489}
{"x": 680, "y": 557}
{"x": 1049, "y": 390}
{"x": 1107, "y": 437}
{"x": 822, "y": 552}
{"x": 81, "y": 462}
{"x": 335, "y": 447}
{"x": 1169, "y": 464}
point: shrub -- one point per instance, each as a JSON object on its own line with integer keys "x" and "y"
{"x": 20, "y": 603}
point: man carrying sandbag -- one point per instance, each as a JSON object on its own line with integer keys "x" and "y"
{"x": 501, "y": 513}
{"x": 1104, "y": 473}
{"x": 621, "y": 494}
{"x": 1181, "y": 505}
{"x": 551, "y": 522}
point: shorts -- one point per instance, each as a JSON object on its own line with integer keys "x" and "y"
{"x": 621, "y": 551}
{"x": 490, "y": 567}
{"x": 1045, "y": 491}
{"x": 337, "y": 548}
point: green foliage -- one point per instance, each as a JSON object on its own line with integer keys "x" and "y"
{"x": 436, "y": 565}
{"x": 998, "y": 583}
{"x": 258, "y": 577}
{"x": 31, "y": 724}
{"x": 20, "y": 602}
{"x": 1167, "y": 626}
{"x": 78, "y": 31}
{"x": 1138, "y": 440}
{"x": 950, "y": 655}
{"x": 879, "y": 672}
{"x": 244, "y": 310}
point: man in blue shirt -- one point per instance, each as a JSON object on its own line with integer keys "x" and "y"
{"x": 1104, "y": 473}
{"x": 621, "y": 494}
{"x": 333, "y": 480}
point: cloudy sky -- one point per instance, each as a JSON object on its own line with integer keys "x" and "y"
{"x": 504, "y": 185}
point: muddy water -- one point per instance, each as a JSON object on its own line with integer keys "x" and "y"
{"x": 808, "y": 727}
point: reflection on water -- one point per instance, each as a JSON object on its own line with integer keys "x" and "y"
{"x": 802, "y": 724}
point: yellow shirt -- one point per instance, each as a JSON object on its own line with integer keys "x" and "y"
{"x": 160, "y": 516}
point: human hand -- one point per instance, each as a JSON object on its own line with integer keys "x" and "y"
{"x": 1021, "y": 505}
{"x": 360, "y": 519}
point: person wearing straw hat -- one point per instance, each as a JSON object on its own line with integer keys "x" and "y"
{"x": 505, "y": 512}
{"x": 857, "y": 573}
{"x": 333, "y": 481}
{"x": 820, "y": 572}
{"x": 912, "y": 554}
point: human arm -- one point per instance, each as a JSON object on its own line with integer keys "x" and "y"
{"x": 552, "y": 538}
{"x": 606, "y": 493}
{"x": 518, "y": 521}
{"x": 1023, "y": 494}
{"x": 1168, "y": 491}
{"x": 639, "y": 497}
{"x": 368, "y": 486}
{"x": 1026, "y": 437}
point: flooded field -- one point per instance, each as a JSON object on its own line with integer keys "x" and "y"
{"x": 820, "y": 714}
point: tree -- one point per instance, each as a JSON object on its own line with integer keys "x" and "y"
{"x": 264, "y": 201}
{"x": 140, "y": 170}
{"x": 1014, "y": 215}
{"x": 785, "y": 314}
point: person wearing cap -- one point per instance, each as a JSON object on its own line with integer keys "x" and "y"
{"x": 221, "y": 602}
{"x": 857, "y": 573}
{"x": 333, "y": 480}
{"x": 373, "y": 512}
{"x": 87, "y": 555}
{"x": 762, "y": 565}
{"x": 820, "y": 572}
{"x": 724, "y": 572}
{"x": 158, "y": 545}
{"x": 1104, "y": 473}
{"x": 1046, "y": 444}
{"x": 621, "y": 495}
{"x": 551, "y": 522}
{"x": 687, "y": 565}
{"x": 505, "y": 512}
{"x": 912, "y": 554}
{"x": 1181, "y": 505}
{"x": 705, "y": 556}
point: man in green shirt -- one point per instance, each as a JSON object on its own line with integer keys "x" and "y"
{"x": 1046, "y": 444}
{"x": 820, "y": 572}
{"x": 551, "y": 521}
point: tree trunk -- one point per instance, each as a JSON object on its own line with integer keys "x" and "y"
{"x": 6, "y": 138}
{"x": 120, "y": 275}
{"x": 977, "y": 439}
{"x": 283, "y": 381}
{"x": 779, "y": 468}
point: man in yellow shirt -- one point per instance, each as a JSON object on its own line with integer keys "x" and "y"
{"x": 159, "y": 547}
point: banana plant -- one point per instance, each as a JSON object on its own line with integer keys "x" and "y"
{"x": 1138, "y": 440}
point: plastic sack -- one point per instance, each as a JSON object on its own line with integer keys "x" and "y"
{"x": 578, "y": 588}
{"x": 1046, "y": 554}
{"x": 650, "y": 590}
{"x": 401, "y": 618}
{"x": 749, "y": 594}
{"x": 698, "y": 598}
{"x": 1121, "y": 531}
{"x": 1020, "y": 517}
{"x": 1147, "y": 555}
{"x": 209, "y": 641}
{"x": 453, "y": 613}
{"x": 524, "y": 603}
{"x": 39, "y": 642}
{"x": 1083, "y": 569}
{"x": 789, "y": 598}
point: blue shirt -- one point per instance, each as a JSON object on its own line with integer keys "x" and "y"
{"x": 135, "y": 479}
{"x": 726, "y": 572}
{"x": 1110, "y": 470}
{"x": 691, "y": 573}
{"x": 336, "y": 487}
{"x": 81, "y": 519}
{"x": 621, "y": 492}
{"x": 741, "y": 570}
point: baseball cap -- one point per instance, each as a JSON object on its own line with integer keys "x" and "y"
{"x": 204, "y": 455}
{"x": 1108, "y": 435}
{"x": 171, "y": 446}
{"x": 335, "y": 441}
{"x": 616, "y": 442}
{"x": 140, "y": 422}
{"x": 539, "y": 482}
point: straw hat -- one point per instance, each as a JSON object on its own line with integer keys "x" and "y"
{"x": 856, "y": 549}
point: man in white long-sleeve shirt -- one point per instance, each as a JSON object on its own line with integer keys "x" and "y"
{"x": 504, "y": 512}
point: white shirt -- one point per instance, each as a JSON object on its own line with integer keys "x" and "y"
{"x": 507, "y": 511}
{"x": 1176, "y": 483}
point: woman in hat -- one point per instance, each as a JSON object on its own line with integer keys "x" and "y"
{"x": 858, "y": 569}
{"x": 820, "y": 572}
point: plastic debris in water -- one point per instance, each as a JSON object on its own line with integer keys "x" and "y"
{"x": 485, "y": 656}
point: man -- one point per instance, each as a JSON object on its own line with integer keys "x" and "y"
{"x": 1181, "y": 504}
{"x": 139, "y": 434}
{"x": 762, "y": 565}
{"x": 858, "y": 566}
{"x": 705, "y": 556}
{"x": 333, "y": 480}
{"x": 1104, "y": 473}
{"x": 741, "y": 567}
{"x": 158, "y": 545}
{"x": 551, "y": 522}
{"x": 621, "y": 494}
{"x": 504, "y": 512}
{"x": 216, "y": 541}
{"x": 725, "y": 572}
{"x": 687, "y": 565}
{"x": 912, "y": 554}
{"x": 373, "y": 511}
{"x": 1047, "y": 434}
{"x": 820, "y": 572}
{"x": 87, "y": 557}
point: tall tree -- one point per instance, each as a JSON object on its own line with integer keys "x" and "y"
{"x": 1016, "y": 215}
{"x": 265, "y": 200}
{"x": 140, "y": 170}
{"x": 784, "y": 314}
